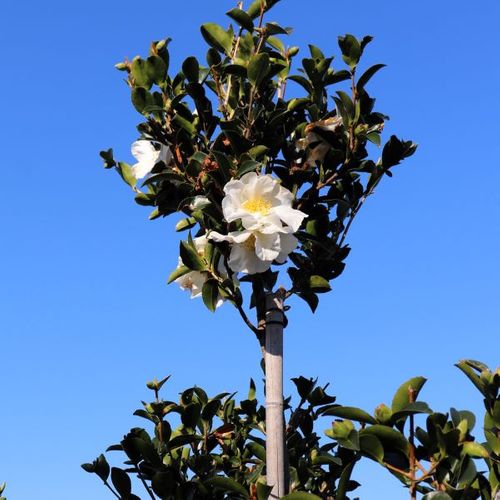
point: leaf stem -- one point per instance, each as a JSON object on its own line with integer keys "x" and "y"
{"x": 111, "y": 489}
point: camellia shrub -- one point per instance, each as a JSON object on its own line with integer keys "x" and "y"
{"x": 206, "y": 447}
{"x": 268, "y": 161}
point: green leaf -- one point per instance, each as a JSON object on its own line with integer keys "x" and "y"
{"x": 374, "y": 137}
{"x": 389, "y": 438}
{"x": 255, "y": 7}
{"x": 366, "y": 76}
{"x": 402, "y": 397}
{"x": 411, "y": 409}
{"x": 141, "y": 99}
{"x": 107, "y": 156}
{"x": 127, "y": 174}
{"x": 242, "y": 18}
{"x": 258, "y": 450}
{"x": 217, "y": 37}
{"x": 303, "y": 82}
{"x": 332, "y": 77}
{"x": 224, "y": 163}
{"x": 184, "y": 124}
{"x": 396, "y": 150}
{"x": 258, "y": 152}
{"x": 140, "y": 73}
{"x": 319, "y": 284}
{"x": 226, "y": 484}
{"x": 248, "y": 166}
{"x": 371, "y": 446}
{"x": 276, "y": 43}
{"x": 311, "y": 299}
{"x": 304, "y": 386}
{"x": 298, "y": 102}
{"x": 190, "y": 257}
{"x": 182, "y": 440}
{"x": 300, "y": 495}
{"x": 177, "y": 273}
{"x": 475, "y": 450}
{"x": 351, "y": 50}
{"x": 263, "y": 491}
{"x": 121, "y": 482}
{"x": 191, "y": 69}
{"x": 351, "y": 413}
{"x": 316, "y": 52}
{"x": 258, "y": 68}
{"x": 252, "y": 390}
{"x": 157, "y": 69}
{"x": 191, "y": 414}
{"x": 184, "y": 224}
{"x": 275, "y": 29}
{"x": 472, "y": 375}
{"x": 344, "y": 482}
{"x": 210, "y": 294}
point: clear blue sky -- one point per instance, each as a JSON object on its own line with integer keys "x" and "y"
{"x": 86, "y": 317}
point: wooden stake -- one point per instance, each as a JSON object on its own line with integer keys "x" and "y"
{"x": 275, "y": 432}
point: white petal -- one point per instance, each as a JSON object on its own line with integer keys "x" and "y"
{"x": 267, "y": 186}
{"x": 141, "y": 169}
{"x": 192, "y": 282}
{"x": 290, "y": 216}
{"x": 146, "y": 155}
{"x": 288, "y": 244}
{"x": 233, "y": 185}
{"x": 284, "y": 196}
{"x": 144, "y": 151}
{"x": 267, "y": 246}
{"x": 244, "y": 260}
{"x": 233, "y": 237}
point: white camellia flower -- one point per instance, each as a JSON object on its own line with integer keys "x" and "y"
{"x": 254, "y": 251}
{"x": 269, "y": 221}
{"x": 148, "y": 156}
{"x": 260, "y": 200}
{"x": 194, "y": 280}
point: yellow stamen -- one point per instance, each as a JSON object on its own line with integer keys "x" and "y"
{"x": 258, "y": 205}
{"x": 249, "y": 243}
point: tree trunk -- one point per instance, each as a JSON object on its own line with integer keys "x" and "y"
{"x": 275, "y": 436}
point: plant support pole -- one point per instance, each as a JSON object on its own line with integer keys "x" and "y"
{"x": 275, "y": 437}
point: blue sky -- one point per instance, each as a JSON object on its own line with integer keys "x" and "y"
{"x": 86, "y": 318}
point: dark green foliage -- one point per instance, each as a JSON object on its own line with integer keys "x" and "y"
{"x": 315, "y": 144}
{"x": 217, "y": 451}
{"x": 437, "y": 459}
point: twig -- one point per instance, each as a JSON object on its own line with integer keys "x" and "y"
{"x": 220, "y": 92}
{"x": 111, "y": 489}
{"x": 395, "y": 469}
{"x": 148, "y": 489}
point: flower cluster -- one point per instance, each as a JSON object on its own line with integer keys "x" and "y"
{"x": 268, "y": 222}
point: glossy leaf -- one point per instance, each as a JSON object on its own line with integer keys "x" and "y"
{"x": 217, "y": 37}
{"x": 258, "y": 68}
{"x": 402, "y": 397}
{"x": 242, "y": 18}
